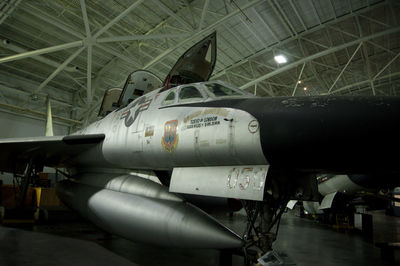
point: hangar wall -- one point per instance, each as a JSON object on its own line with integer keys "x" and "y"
{"x": 15, "y": 126}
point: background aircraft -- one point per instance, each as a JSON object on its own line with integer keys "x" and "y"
{"x": 206, "y": 138}
{"x": 343, "y": 193}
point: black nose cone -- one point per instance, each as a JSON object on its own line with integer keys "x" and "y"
{"x": 350, "y": 134}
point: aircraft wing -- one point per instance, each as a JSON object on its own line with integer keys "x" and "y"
{"x": 15, "y": 153}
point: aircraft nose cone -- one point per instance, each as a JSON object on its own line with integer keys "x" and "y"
{"x": 328, "y": 133}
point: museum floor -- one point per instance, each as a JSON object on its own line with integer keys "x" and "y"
{"x": 68, "y": 240}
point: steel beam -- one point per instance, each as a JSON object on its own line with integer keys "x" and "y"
{"x": 369, "y": 67}
{"x": 316, "y": 13}
{"x": 288, "y": 40}
{"x": 123, "y": 28}
{"x": 89, "y": 74}
{"x": 40, "y": 14}
{"x": 59, "y": 69}
{"x": 252, "y": 70}
{"x": 297, "y": 14}
{"x": 77, "y": 82}
{"x": 386, "y": 66}
{"x": 267, "y": 91}
{"x": 209, "y": 11}
{"x": 248, "y": 47}
{"x": 262, "y": 64}
{"x": 8, "y": 10}
{"x": 203, "y": 14}
{"x": 85, "y": 19}
{"x": 140, "y": 37}
{"x": 41, "y": 51}
{"x": 314, "y": 42}
{"x": 167, "y": 10}
{"x": 239, "y": 76}
{"x": 344, "y": 68}
{"x": 265, "y": 24}
{"x": 9, "y": 46}
{"x": 312, "y": 67}
{"x": 355, "y": 36}
{"x": 298, "y": 79}
{"x": 286, "y": 19}
{"x": 285, "y": 25}
{"x": 276, "y": 84}
{"x": 363, "y": 82}
{"x": 2, "y": 96}
{"x": 201, "y": 32}
{"x": 320, "y": 54}
{"x": 117, "y": 18}
{"x": 252, "y": 31}
{"x": 117, "y": 54}
{"x": 375, "y": 21}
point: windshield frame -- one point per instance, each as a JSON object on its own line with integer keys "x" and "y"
{"x": 241, "y": 93}
{"x": 200, "y": 89}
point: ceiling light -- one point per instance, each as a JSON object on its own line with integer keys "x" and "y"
{"x": 299, "y": 81}
{"x": 280, "y": 59}
{"x": 305, "y": 88}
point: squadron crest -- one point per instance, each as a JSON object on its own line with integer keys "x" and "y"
{"x": 170, "y": 139}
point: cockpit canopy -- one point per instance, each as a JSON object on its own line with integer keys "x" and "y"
{"x": 110, "y": 99}
{"x": 198, "y": 92}
{"x": 220, "y": 90}
{"x": 137, "y": 84}
{"x": 195, "y": 65}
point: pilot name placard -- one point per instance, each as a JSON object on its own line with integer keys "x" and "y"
{"x": 205, "y": 118}
{"x": 203, "y": 122}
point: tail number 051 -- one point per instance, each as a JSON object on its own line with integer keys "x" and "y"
{"x": 247, "y": 177}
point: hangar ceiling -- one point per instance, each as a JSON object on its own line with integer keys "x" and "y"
{"x": 72, "y": 51}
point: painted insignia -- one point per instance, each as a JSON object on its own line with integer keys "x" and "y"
{"x": 141, "y": 104}
{"x": 170, "y": 139}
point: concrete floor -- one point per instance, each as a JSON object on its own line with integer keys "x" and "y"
{"x": 68, "y": 240}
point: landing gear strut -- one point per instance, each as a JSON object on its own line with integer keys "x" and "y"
{"x": 262, "y": 216}
{"x": 23, "y": 181}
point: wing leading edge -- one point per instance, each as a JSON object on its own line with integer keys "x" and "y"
{"x": 15, "y": 153}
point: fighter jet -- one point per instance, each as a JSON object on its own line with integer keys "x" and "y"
{"x": 187, "y": 134}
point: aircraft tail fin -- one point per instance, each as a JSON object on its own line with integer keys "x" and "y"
{"x": 49, "y": 119}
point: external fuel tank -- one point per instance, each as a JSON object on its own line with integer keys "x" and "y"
{"x": 144, "y": 211}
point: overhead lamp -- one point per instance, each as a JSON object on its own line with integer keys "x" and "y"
{"x": 299, "y": 82}
{"x": 280, "y": 59}
{"x": 305, "y": 88}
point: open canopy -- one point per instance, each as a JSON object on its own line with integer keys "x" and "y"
{"x": 137, "y": 84}
{"x": 195, "y": 65}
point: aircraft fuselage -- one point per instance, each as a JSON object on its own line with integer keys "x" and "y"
{"x": 148, "y": 134}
